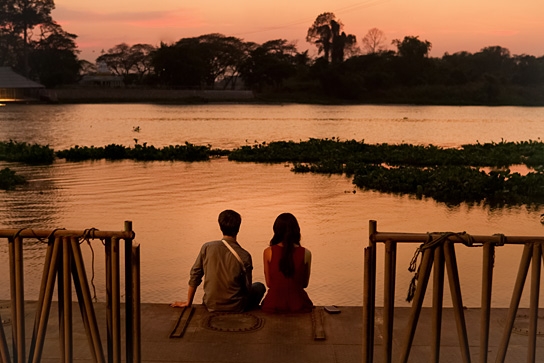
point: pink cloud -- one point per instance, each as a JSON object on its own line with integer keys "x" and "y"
{"x": 180, "y": 18}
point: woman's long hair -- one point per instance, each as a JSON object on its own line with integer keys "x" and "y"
{"x": 287, "y": 231}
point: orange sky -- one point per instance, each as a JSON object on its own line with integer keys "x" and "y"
{"x": 450, "y": 25}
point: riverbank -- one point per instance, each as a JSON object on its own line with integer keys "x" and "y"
{"x": 472, "y": 95}
{"x": 138, "y": 95}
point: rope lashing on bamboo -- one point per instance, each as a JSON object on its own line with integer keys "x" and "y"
{"x": 464, "y": 237}
{"x": 88, "y": 234}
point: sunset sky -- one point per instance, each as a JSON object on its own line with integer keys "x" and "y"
{"x": 450, "y": 25}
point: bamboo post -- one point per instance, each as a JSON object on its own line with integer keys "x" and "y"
{"x": 422, "y": 281}
{"x": 116, "y": 300}
{"x": 67, "y": 298}
{"x": 533, "y": 309}
{"x": 4, "y": 350}
{"x": 438, "y": 297}
{"x": 39, "y": 306}
{"x": 109, "y": 314}
{"x": 17, "y": 298}
{"x": 60, "y": 304}
{"x": 389, "y": 298}
{"x": 13, "y": 288}
{"x": 487, "y": 285}
{"x": 514, "y": 303}
{"x": 129, "y": 323}
{"x": 48, "y": 294}
{"x": 457, "y": 299}
{"x": 85, "y": 302}
{"x": 136, "y": 297}
{"x": 367, "y": 318}
{"x": 369, "y": 297}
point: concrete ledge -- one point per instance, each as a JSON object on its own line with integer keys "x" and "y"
{"x": 281, "y": 338}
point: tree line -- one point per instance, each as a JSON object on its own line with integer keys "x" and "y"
{"x": 344, "y": 70}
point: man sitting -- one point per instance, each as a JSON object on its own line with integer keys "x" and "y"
{"x": 228, "y": 269}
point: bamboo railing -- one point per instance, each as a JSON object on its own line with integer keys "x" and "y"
{"x": 438, "y": 249}
{"x": 64, "y": 263}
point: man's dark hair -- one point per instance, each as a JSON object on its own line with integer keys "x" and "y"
{"x": 229, "y": 222}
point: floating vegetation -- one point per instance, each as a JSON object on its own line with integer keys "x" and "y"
{"x": 451, "y": 176}
{"x": 143, "y": 152}
{"x": 26, "y": 153}
{"x": 9, "y": 179}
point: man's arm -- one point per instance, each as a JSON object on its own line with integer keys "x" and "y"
{"x": 191, "y": 290}
{"x": 197, "y": 271}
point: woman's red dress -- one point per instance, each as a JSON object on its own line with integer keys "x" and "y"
{"x": 287, "y": 295}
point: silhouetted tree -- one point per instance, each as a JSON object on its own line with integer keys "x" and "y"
{"x": 374, "y": 41}
{"x": 17, "y": 19}
{"x": 412, "y": 65}
{"x": 413, "y": 48}
{"x": 53, "y": 58}
{"x": 270, "y": 64}
{"x": 326, "y": 33}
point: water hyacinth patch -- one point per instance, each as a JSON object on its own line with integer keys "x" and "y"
{"x": 9, "y": 179}
{"x": 26, "y": 153}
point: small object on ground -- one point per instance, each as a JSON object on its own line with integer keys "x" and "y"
{"x": 332, "y": 309}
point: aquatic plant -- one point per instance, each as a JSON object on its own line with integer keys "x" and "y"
{"x": 26, "y": 153}
{"x": 78, "y": 153}
{"x": 142, "y": 152}
{"x": 446, "y": 175}
{"x": 9, "y": 179}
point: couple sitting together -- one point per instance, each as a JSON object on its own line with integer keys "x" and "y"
{"x": 227, "y": 268}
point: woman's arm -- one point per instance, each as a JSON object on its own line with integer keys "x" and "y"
{"x": 308, "y": 264}
{"x": 267, "y": 257}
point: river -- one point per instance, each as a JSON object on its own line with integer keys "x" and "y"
{"x": 174, "y": 205}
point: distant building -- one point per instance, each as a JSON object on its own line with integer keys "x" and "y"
{"x": 102, "y": 78}
{"x": 16, "y": 88}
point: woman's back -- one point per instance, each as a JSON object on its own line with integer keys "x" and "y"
{"x": 287, "y": 294}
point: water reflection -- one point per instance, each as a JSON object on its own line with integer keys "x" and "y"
{"x": 174, "y": 206}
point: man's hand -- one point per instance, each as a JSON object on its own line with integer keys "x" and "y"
{"x": 179, "y": 304}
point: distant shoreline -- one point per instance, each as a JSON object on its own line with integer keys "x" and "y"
{"x": 123, "y": 95}
{"x": 423, "y": 96}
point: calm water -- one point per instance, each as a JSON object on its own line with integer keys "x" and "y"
{"x": 174, "y": 206}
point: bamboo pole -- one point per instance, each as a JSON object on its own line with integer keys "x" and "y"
{"x": 136, "y": 297}
{"x": 533, "y": 309}
{"x": 476, "y": 239}
{"x": 47, "y": 233}
{"x": 116, "y": 300}
{"x": 39, "y": 306}
{"x": 457, "y": 299}
{"x": 422, "y": 281}
{"x": 85, "y": 302}
{"x": 438, "y": 297}
{"x": 487, "y": 285}
{"x": 13, "y": 289}
{"x": 48, "y": 295}
{"x": 367, "y": 318}
{"x": 60, "y": 304}
{"x": 19, "y": 299}
{"x": 109, "y": 314}
{"x": 67, "y": 299}
{"x": 4, "y": 349}
{"x": 514, "y": 303}
{"x": 389, "y": 298}
{"x": 373, "y": 228}
{"x": 129, "y": 322}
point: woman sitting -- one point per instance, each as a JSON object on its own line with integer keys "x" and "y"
{"x": 286, "y": 269}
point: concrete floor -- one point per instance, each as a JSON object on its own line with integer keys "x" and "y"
{"x": 264, "y": 338}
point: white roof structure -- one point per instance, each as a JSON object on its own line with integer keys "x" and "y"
{"x": 10, "y": 79}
